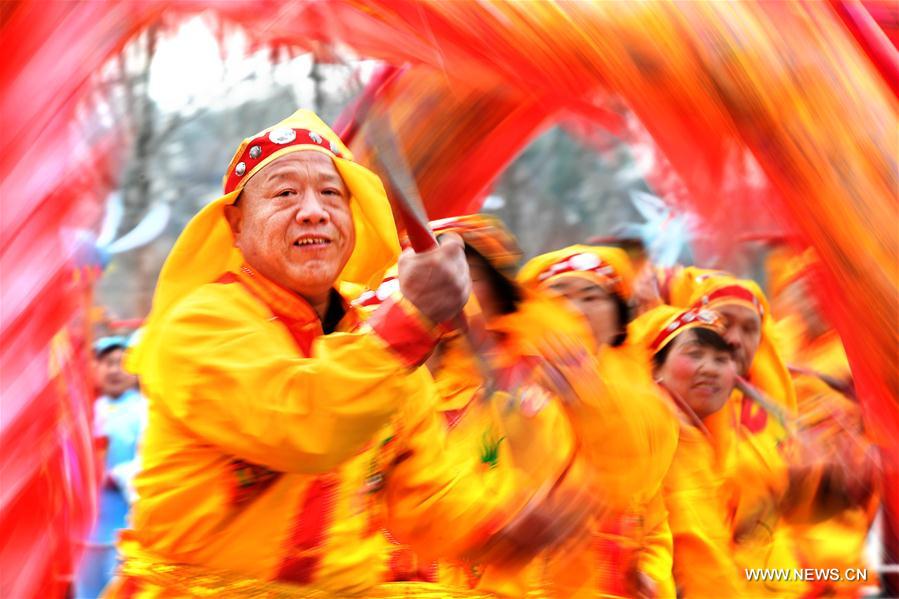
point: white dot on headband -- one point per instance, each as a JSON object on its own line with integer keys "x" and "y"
{"x": 584, "y": 261}
{"x": 707, "y": 316}
{"x": 282, "y": 136}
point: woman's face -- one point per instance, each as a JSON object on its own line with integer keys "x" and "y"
{"x": 595, "y": 303}
{"x": 699, "y": 374}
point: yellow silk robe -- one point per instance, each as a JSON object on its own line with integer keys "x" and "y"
{"x": 275, "y": 454}
{"x": 835, "y": 421}
{"x": 761, "y": 478}
{"x": 701, "y": 501}
{"x": 628, "y": 435}
{"x": 724, "y": 493}
{"x": 763, "y": 448}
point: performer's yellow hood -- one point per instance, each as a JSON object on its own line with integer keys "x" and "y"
{"x": 205, "y": 249}
{"x": 691, "y": 285}
{"x": 696, "y": 287}
{"x": 608, "y": 267}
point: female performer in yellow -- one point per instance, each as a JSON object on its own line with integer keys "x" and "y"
{"x": 495, "y": 404}
{"x": 770, "y": 451}
{"x": 617, "y": 422}
{"x": 630, "y": 553}
{"x": 695, "y": 366}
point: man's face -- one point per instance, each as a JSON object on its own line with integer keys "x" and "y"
{"x": 293, "y": 223}
{"x": 743, "y": 333}
{"x": 110, "y": 378}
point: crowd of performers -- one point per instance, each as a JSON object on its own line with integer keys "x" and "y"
{"x": 581, "y": 425}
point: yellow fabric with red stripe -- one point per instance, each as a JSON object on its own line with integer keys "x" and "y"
{"x": 764, "y": 444}
{"x": 276, "y": 454}
{"x": 608, "y": 267}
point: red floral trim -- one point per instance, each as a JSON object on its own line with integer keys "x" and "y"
{"x": 696, "y": 316}
{"x": 310, "y": 530}
{"x": 604, "y": 271}
{"x": 399, "y": 324}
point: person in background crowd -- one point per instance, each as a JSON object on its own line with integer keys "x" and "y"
{"x": 119, "y": 421}
{"x": 768, "y": 451}
{"x": 485, "y": 391}
{"x": 604, "y": 417}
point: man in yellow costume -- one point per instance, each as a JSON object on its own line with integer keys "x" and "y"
{"x": 631, "y": 549}
{"x": 284, "y": 433}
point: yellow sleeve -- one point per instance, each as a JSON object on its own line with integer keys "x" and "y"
{"x": 231, "y": 374}
{"x": 625, "y": 428}
{"x": 657, "y": 549}
{"x": 441, "y": 499}
{"x": 703, "y": 566}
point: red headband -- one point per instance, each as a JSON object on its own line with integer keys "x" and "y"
{"x": 264, "y": 145}
{"x": 731, "y": 292}
{"x": 694, "y": 317}
{"x": 581, "y": 262}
